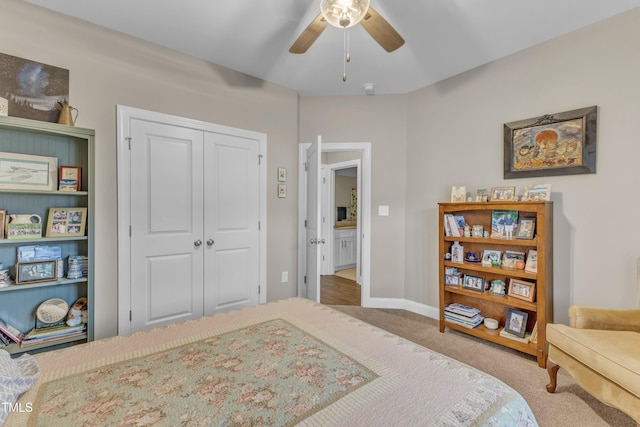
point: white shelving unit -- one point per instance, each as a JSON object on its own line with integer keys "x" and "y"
{"x": 72, "y": 146}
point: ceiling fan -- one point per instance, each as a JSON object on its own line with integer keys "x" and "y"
{"x": 345, "y": 14}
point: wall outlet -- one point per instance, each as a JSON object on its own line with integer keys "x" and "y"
{"x": 285, "y": 276}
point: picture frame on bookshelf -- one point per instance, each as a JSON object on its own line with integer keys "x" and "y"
{"x": 516, "y": 322}
{"x": 482, "y": 195}
{"x": 503, "y": 223}
{"x": 531, "y": 265}
{"x": 28, "y": 172}
{"x": 498, "y": 287}
{"x": 510, "y": 258}
{"x": 452, "y": 280}
{"x": 503, "y": 194}
{"x": 536, "y": 193}
{"x": 526, "y": 228}
{"x": 36, "y": 271}
{"x": 70, "y": 178}
{"x": 473, "y": 283}
{"x": 458, "y": 194}
{"x": 522, "y": 289}
{"x": 66, "y": 222}
{"x": 491, "y": 258}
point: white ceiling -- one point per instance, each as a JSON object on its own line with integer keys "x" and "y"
{"x": 443, "y": 37}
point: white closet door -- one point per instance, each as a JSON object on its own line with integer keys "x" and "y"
{"x": 166, "y": 224}
{"x": 231, "y": 235}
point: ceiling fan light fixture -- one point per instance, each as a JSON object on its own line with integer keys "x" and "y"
{"x": 344, "y": 13}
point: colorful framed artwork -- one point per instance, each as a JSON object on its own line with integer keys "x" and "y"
{"x": 552, "y": 144}
{"x": 70, "y": 178}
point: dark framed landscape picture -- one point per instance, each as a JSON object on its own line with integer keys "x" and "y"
{"x": 33, "y": 89}
{"x": 552, "y": 144}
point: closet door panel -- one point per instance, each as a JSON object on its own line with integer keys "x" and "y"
{"x": 166, "y": 224}
{"x": 231, "y": 201}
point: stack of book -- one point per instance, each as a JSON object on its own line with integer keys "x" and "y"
{"x": 51, "y": 333}
{"x": 463, "y": 315}
{"x": 9, "y": 334}
{"x": 525, "y": 339}
{"x": 77, "y": 266}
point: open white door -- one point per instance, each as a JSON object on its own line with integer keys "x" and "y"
{"x": 313, "y": 221}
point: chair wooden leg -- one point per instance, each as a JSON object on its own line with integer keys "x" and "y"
{"x": 552, "y": 369}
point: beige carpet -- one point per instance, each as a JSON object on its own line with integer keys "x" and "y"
{"x": 570, "y": 405}
{"x": 349, "y": 273}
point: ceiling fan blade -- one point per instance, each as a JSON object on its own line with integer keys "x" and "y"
{"x": 381, "y": 31}
{"x": 309, "y": 35}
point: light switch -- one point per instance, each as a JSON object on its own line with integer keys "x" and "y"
{"x": 383, "y": 210}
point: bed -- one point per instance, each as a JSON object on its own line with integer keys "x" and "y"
{"x": 288, "y": 362}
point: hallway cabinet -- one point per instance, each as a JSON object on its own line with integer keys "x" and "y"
{"x": 345, "y": 249}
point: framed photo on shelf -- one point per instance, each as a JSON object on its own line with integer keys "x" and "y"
{"x": 27, "y": 172}
{"x": 473, "y": 283}
{"x": 37, "y": 271}
{"x": 482, "y": 195}
{"x": 491, "y": 258}
{"x": 516, "y": 322}
{"x": 458, "y": 194}
{"x": 66, "y": 222}
{"x": 522, "y": 290}
{"x": 503, "y": 223}
{"x": 552, "y": 144}
{"x": 70, "y": 178}
{"x": 510, "y": 258}
{"x": 502, "y": 194}
{"x": 526, "y": 228}
{"x": 452, "y": 279}
{"x": 498, "y": 287}
{"x": 536, "y": 192}
{"x": 531, "y": 266}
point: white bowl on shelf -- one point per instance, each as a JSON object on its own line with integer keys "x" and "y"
{"x": 490, "y": 323}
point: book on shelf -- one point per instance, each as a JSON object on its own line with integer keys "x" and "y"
{"x": 447, "y": 225}
{"x": 453, "y": 225}
{"x": 51, "y": 333}
{"x": 11, "y": 331}
{"x": 465, "y": 310}
{"x": 505, "y": 334}
{"x": 470, "y": 323}
{"x": 534, "y": 333}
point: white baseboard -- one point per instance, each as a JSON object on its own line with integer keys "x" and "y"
{"x": 403, "y": 304}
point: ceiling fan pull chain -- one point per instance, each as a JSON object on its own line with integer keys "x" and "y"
{"x": 346, "y": 54}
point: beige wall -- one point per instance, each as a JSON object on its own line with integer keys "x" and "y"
{"x": 456, "y": 137}
{"x": 382, "y": 121}
{"x": 107, "y": 69}
{"x": 453, "y": 136}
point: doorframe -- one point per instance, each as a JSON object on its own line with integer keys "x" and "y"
{"x": 124, "y": 115}
{"x": 364, "y": 237}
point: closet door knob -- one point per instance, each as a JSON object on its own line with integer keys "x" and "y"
{"x": 197, "y": 243}
{"x": 210, "y": 242}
